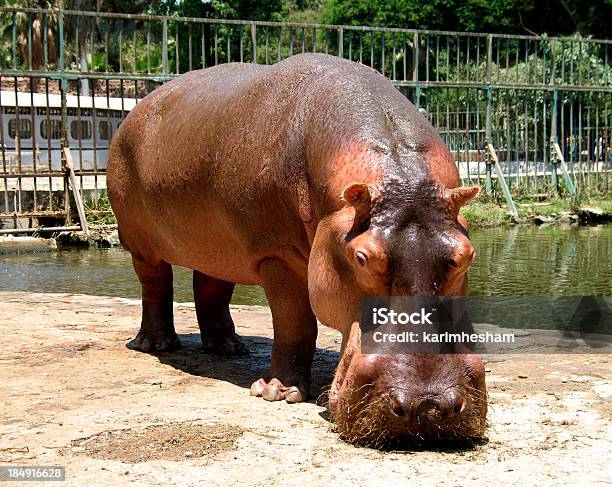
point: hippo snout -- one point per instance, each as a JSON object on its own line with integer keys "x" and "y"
{"x": 420, "y": 412}
{"x": 386, "y": 399}
{"x": 420, "y": 409}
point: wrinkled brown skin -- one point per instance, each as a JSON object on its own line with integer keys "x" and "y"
{"x": 316, "y": 179}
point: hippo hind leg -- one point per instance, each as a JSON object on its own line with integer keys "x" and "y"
{"x": 212, "y": 298}
{"x": 295, "y": 335}
{"x": 157, "y": 327}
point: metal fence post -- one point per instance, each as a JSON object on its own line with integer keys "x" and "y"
{"x": 165, "y": 46}
{"x": 64, "y": 113}
{"x": 415, "y": 57}
{"x": 254, "y": 40}
{"x": 488, "y": 183}
{"x": 15, "y": 40}
{"x": 553, "y": 62}
{"x": 340, "y": 42}
{"x": 65, "y": 145}
{"x": 553, "y": 140}
{"x": 489, "y": 138}
{"x": 415, "y": 70}
{"x": 557, "y": 154}
{"x": 553, "y": 125}
{"x": 489, "y": 58}
{"x": 500, "y": 176}
{"x": 60, "y": 61}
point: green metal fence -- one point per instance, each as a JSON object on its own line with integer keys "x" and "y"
{"x": 521, "y": 114}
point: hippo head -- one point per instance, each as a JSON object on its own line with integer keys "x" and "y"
{"x": 400, "y": 237}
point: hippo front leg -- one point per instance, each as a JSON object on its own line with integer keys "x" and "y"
{"x": 295, "y": 334}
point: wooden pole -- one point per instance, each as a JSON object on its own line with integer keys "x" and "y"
{"x": 75, "y": 191}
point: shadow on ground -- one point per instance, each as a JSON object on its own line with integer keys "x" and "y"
{"x": 244, "y": 370}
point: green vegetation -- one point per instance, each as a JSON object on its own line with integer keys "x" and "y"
{"x": 273, "y": 10}
{"x": 37, "y": 29}
{"x": 486, "y": 211}
{"x": 560, "y": 17}
{"x": 98, "y": 208}
{"x": 556, "y": 17}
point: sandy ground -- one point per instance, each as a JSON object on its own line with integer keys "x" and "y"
{"x": 73, "y": 395}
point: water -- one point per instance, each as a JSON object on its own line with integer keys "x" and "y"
{"x": 536, "y": 261}
{"x": 101, "y": 272}
{"x": 509, "y": 261}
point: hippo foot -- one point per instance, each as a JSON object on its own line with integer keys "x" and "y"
{"x": 225, "y": 345}
{"x": 154, "y": 342}
{"x": 275, "y": 390}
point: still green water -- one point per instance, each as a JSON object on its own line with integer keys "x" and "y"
{"x": 513, "y": 261}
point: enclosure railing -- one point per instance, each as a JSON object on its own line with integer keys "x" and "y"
{"x": 521, "y": 114}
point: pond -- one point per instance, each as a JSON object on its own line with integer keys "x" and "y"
{"x": 515, "y": 261}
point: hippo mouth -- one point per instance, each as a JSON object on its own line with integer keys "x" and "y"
{"x": 366, "y": 418}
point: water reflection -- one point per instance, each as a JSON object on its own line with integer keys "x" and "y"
{"x": 555, "y": 260}
{"x": 510, "y": 261}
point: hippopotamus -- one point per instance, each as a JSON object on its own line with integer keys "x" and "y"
{"x": 316, "y": 179}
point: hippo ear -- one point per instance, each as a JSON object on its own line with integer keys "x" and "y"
{"x": 460, "y": 196}
{"x": 357, "y": 194}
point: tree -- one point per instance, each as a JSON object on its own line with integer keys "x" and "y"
{"x": 120, "y": 6}
{"x": 555, "y": 17}
{"x": 273, "y": 10}
{"x": 22, "y": 28}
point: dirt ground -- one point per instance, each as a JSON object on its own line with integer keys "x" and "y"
{"x": 74, "y": 395}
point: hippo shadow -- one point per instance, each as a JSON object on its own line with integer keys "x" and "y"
{"x": 243, "y": 370}
{"x": 443, "y": 446}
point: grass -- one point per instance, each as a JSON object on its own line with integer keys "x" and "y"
{"x": 486, "y": 212}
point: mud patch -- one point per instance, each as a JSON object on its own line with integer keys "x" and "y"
{"x": 43, "y": 355}
{"x": 171, "y": 441}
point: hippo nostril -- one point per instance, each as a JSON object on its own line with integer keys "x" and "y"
{"x": 453, "y": 404}
{"x": 459, "y": 406}
{"x": 397, "y": 403}
{"x": 397, "y": 409}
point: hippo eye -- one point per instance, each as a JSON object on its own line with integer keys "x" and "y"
{"x": 361, "y": 258}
